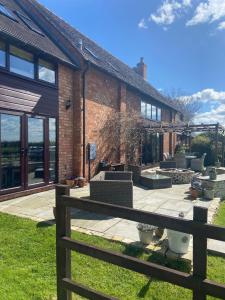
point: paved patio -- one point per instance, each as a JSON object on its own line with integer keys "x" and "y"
{"x": 170, "y": 202}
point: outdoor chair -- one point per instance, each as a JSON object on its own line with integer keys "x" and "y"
{"x": 112, "y": 188}
{"x": 197, "y": 164}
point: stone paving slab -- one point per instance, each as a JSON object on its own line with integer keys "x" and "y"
{"x": 170, "y": 202}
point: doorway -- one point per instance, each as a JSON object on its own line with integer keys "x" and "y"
{"x": 27, "y": 151}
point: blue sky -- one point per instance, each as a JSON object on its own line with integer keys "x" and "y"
{"x": 182, "y": 42}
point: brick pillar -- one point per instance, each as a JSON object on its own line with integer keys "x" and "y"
{"x": 78, "y": 125}
{"x": 65, "y": 131}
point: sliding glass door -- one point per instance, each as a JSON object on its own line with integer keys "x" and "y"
{"x": 27, "y": 151}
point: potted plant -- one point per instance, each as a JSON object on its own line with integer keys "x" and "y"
{"x": 145, "y": 233}
{"x": 178, "y": 241}
{"x": 212, "y": 174}
{"x": 193, "y": 192}
{"x": 81, "y": 181}
{"x": 70, "y": 181}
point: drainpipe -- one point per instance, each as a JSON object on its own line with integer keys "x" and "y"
{"x": 84, "y": 113}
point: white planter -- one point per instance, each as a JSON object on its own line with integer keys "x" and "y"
{"x": 146, "y": 236}
{"x": 178, "y": 241}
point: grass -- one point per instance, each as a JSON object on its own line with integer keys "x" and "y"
{"x": 27, "y": 266}
{"x": 220, "y": 216}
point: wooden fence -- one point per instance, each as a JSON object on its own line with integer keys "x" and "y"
{"x": 197, "y": 281}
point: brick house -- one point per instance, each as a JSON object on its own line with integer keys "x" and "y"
{"x": 57, "y": 90}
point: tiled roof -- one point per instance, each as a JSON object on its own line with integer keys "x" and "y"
{"x": 19, "y": 31}
{"x": 90, "y": 50}
{"x": 102, "y": 58}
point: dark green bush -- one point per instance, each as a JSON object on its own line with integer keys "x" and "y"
{"x": 203, "y": 144}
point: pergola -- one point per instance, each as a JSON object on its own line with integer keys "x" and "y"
{"x": 187, "y": 129}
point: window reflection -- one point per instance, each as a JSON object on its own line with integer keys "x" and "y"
{"x": 10, "y": 151}
{"x": 52, "y": 149}
{"x": 46, "y": 71}
{"x": 35, "y": 150}
{"x": 2, "y": 54}
{"x": 21, "y": 62}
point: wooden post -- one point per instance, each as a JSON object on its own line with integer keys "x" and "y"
{"x": 63, "y": 256}
{"x": 200, "y": 253}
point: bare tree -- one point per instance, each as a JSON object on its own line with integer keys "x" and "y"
{"x": 185, "y": 104}
{"x": 125, "y": 130}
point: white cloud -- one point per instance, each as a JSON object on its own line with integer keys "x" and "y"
{"x": 210, "y": 11}
{"x": 221, "y": 26}
{"x": 207, "y": 95}
{"x": 142, "y": 24}
{"x": 214, "y": 101}
{"x": 169, "y": 11}
{"x": 216, "y": 115}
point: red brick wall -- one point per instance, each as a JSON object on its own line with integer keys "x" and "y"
{"x": 105, "y": 96}
{"x": 102, "y": 101}
{"x": 65, "y": 133}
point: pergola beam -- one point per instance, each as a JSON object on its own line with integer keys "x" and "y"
{"x": 185, "y": 128}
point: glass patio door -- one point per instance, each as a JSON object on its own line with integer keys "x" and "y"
{"x": 35, "y": 151}
{"x": 10, "y": 148}
{"x": 28, "y": 151}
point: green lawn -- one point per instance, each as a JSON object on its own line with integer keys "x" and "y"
{"x": 220, "y": 216}
{"x": 27, "y": 266}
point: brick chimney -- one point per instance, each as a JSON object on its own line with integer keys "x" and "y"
{"x": 141, "y": 68}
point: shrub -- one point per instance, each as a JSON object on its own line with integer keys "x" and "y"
{"x": 203, "y": 144}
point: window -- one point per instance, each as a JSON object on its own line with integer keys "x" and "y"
{"x": 159, "y": 114}
{"x": 30, "y": 24}
{"x": 6, "y": 12}
{"x": 21, "y": 62}
{"x": 153, "y": 113}
{"x": 46, "y": 71}
{"x": 143, "y": 109}
{"x": 2, "y": 54}
{"x": 149, "y": 111}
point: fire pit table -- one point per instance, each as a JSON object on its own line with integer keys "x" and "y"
{"x": 155, "y": 181}
{"x": 178, "y": 176}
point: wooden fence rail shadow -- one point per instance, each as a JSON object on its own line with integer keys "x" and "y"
{"x": 198, "y": 227}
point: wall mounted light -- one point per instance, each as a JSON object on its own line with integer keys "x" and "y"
{"x": 68, "y": 104}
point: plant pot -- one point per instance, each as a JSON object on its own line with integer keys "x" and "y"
{"x": 212, "y": 174}
{"x": 178, "y": 241}
{"x": 209, "y": 194}
{"x": 70, "y": 182}
{"x": 76, "y": 182}
{"x": 194, "y": 193}
{"x": 146, "y": 236}
{"x": 81, "y": 182}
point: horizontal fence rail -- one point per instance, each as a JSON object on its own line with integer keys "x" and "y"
{"x": 198, "y": 227}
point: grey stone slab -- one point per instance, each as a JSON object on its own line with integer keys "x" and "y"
{"x": 126, "y": 229}
{"x": 177, "y": 205}
{"x": 216, "y": 246}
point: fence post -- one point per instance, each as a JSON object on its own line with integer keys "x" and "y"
{"x": 200, "y": 253}
{"x": 63, "y": 256}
